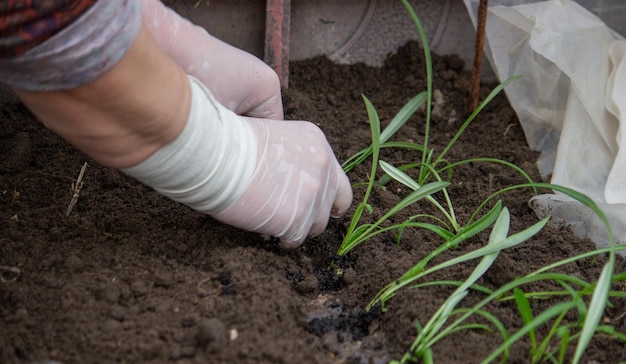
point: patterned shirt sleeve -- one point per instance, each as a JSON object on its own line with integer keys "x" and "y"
{"x": 25, "y": 24}
{"x": 63, "y": 44}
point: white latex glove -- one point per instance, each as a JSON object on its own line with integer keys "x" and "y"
{"x": 296, "y": 186}
{"x": 237, "y": 79}
{"x": 275, "y": 177}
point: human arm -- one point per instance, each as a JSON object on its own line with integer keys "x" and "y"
{"x": 127, "y": 118}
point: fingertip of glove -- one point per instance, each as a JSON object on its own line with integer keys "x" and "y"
{"x": 290, "y": 245}
{"x": 336, "y": 215}
{"x": 343, "y": 199}
{"x": 292, "y": 242}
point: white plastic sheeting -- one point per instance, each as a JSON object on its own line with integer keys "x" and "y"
{"x": 571, "y": 101}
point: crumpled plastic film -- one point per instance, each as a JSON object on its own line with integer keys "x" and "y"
{"x": 571, "y": 102}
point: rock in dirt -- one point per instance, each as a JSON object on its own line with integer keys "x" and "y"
{"x": 74, "y": 264}
{"x": 117, "y": 313}
{"x": 212, "y": 334}
{"x": 349, "y": 276}
{"x": 308, "y": 286}
{"x": 190, "y": 320}
{"x": 139, "y": 287}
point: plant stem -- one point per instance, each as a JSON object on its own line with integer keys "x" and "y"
{"x": 479, "y": 45}
{"x": 429, "y": 84}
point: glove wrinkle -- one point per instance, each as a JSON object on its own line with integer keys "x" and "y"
{"x": 210, "y": 164}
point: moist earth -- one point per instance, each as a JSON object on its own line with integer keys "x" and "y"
{"x": 131, "y": 277}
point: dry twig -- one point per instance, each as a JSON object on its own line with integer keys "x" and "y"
{"x": 76, "y": 190}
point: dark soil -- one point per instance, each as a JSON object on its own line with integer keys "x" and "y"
{"x": 132, "y": 277}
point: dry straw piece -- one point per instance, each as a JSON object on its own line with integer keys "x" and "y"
{"x": 76, "y": 190}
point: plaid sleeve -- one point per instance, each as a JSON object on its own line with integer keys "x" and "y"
{"x": 24, "y": 24}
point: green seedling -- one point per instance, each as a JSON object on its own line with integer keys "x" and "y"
{"x": 563, "y": 333}
{"x": 430, "y": 334}
{"x": 433, "y": 174}
{"x": 429, "y": 181}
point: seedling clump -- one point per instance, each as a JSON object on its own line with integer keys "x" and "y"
{"x": 433, "y": 177}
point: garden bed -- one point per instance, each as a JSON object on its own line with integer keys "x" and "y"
{"x": 132, "y": 277}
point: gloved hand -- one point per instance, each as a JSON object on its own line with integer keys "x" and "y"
{"x": 237, "y": 79}
{"x": 296, "y": 185}
{"x": 275, "y": 177}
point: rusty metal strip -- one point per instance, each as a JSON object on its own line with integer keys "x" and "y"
{"x": 277, "y": 21}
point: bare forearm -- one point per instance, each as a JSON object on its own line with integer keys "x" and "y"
{"x": 126, "y": 114}
{"x": 135, "y": 108}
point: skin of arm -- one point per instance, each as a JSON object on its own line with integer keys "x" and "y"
{"x": 125, "y": 115}
{"x": 147, "y": 117}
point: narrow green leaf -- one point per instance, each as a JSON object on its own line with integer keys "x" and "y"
{"x": 375, "y": 133}
{"x": 476, "y": 287}
{"x": 565, "y": 334}
{"x": 514, "y": 167}
{"x": 406, "y": 180}
{"x": 396, "y": 123}
{"x": 612, "y": 331}
{"x": 526, "y": 312}
{"x": 539, "y": 320}
{"x": 580, "y": 197}
{"x": 364, "y": 233}
{"x": 596, "y": 309}
{"x": 487, "y": 100}
{"x": 403, "y": 116}
{"x": 426, "y": 190}
{"x": 429, "y": 80}
{"x": 432, "y": 328}
{"x": 389, "y": 291}
{"x": 399, "y": 175}
{"x": 467, "y": 232}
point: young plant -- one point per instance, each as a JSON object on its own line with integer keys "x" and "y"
{"x": 563, "y": 332}
{"x": 357, "y": 234}
{"x": 430, "y": 181}
{"x": 430, "y": 333}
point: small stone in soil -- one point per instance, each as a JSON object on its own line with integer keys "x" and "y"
{"x": 139, "y": 287}
{"x": 212, "y": 334}
{"x": 74, "y": 264}
{"x": 164, "y": 279}
{"x": 117, "y": 313}
{"x": 308, "y": 286}
{"x": 349, "y": 276}
{"x": 190, "y": 320}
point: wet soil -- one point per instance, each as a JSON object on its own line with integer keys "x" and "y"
{"x": 131, "y": 277}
